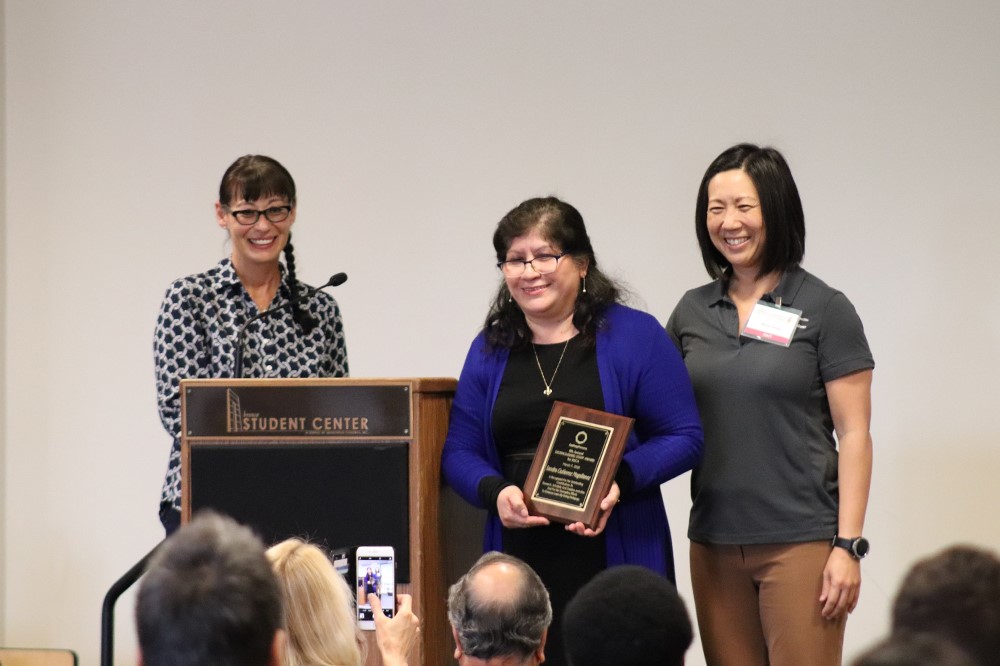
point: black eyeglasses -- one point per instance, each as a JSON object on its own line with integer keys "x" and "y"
{"x": 249, "y": 216}
{"x": 543, "y": 264}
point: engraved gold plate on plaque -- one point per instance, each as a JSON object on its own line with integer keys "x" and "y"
{"x": 575, "y": 463}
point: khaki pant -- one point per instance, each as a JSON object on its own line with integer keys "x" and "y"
{"x": 759, "y": 605}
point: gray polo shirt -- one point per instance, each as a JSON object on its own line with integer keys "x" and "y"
{"x": 769, "y": 473}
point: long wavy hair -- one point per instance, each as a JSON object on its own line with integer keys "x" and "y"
{"x": 319, "y": 607}
{"x": 562, "y": 225}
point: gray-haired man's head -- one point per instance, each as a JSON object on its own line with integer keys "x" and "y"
{"x": 500, "y": 608}
{"x": 209, "y": 598}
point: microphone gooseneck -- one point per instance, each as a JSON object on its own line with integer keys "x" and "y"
{"x": 335, "y": 280}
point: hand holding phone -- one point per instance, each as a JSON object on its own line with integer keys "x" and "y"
{"x": 397, "y": 636}
{"x": 375, "y": 569}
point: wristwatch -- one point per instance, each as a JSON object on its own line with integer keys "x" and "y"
{"x": 858, "y": 547}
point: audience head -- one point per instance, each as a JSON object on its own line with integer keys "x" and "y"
{"x": 956, "y": 595}
{"x": 780, "y": 207}
{"x": 209, "y": 598}
{"x": 905, "y": 648}
{"x": 319, "y": 608}
{"x": 499, "y": 609}
{"x": 627, "y": 616}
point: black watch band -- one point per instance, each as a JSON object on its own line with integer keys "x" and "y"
{"x": 858, "y": 547}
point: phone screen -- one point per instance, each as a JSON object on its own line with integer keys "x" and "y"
{"x": 376, "y": 574}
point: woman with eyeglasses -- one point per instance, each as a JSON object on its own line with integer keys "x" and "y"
{"x": 557, "y": 330}
{"x": 196, "y": 331}
{"x": 780, "y": 365}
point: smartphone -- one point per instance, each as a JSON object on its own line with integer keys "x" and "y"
{"x": 375, "y": 572}
{"x": 342, "y": 559}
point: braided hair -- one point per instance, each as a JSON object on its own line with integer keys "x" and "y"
{"x": 251, "y": 177}
{"x": 301, "y": 317}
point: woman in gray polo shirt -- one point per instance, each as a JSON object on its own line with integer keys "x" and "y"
{"x": 779, "y": 363}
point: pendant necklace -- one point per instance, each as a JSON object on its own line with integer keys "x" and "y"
{"x": 548, "y": 382}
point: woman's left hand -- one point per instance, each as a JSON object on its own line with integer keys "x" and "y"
{"x": 607, "y": 504}
{"x": 841, "y": 584}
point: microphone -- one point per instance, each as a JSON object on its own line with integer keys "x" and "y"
{"x": 335, "y": 280}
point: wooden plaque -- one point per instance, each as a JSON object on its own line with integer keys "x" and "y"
{"x": 575, "y": 463}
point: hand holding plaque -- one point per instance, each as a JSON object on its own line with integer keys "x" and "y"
{"x": 575, "y": 463}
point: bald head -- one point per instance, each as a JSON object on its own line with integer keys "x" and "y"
{"x": 499, "y": 608}
{"x": 499, "y": 581}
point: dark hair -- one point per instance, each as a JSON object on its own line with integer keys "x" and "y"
{"x": 301, "y": 317}
{"x": 209, "y": 598}
{"x": 628, "y": 616}
{"x": 914, "y": 649}
{"x": 250, "y": 178}
{"x": 490, "y": 628}
{"x": 254, "y": 176}
{"x": 780, "y": 206}
{"x": 561, "y": 224}
{"x": 954, "y": 594}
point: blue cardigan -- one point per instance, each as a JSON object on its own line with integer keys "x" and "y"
{"x": 642, "y": 376}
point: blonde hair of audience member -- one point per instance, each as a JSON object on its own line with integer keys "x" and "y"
{"x": 319, "y": 608}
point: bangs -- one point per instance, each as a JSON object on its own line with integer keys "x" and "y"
{"x": 256, "y": 176}
{"x": 257, "y": 185}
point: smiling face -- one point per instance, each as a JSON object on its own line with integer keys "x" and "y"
{"x": 260, "y": 244}
{"x": 545, "y": 299}
{"x": 734, "y": 220}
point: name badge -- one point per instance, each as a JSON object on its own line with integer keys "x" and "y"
{"x": 772, "y": 323}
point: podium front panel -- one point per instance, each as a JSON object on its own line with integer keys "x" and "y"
{"x": 333, "y": 494}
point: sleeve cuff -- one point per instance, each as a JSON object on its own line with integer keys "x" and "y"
{"x": 489, "y": 490}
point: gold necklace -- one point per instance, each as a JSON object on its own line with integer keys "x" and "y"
{"x": 548, "y": 383}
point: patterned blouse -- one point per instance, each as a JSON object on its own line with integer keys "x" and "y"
{"x": 196, "y": 338}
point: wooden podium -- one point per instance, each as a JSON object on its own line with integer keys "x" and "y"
{"x": 341, "y": 463}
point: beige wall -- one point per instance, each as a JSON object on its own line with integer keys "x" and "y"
{"x": 3, "y": 321}
{"x": 411, "y": 128}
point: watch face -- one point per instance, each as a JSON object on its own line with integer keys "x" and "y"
{"x": 860, "y": 547}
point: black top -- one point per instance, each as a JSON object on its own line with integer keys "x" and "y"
{"x": 563, "y": 560}
{"x": 521, "y": 409}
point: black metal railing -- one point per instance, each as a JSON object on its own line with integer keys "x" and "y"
{"x": 108, "y": 609}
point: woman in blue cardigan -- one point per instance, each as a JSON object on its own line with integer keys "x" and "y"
{"x": 557, "y": 331}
